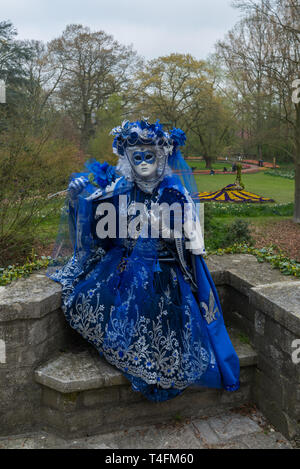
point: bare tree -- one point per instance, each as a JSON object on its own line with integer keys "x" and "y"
{"x": 94, "y": 66}
{"x": 44, "y": 76}
{"x": 268, "y": 51}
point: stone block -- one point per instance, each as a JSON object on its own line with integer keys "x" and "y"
{"x": 31, "y": 355}
{"x": 28, "y": 298}
{"x": 268, "y": 388}
{"x": 99, "y": 418}
{"x": 259, "y": 323}
{"x": 233, "y": 425}
{"x": 101, "y": 397}
{"x": 291, "y": 398}
{"x": 14, "y": 333}
{"x": 281, "y": 337}
{"x": 217, "y": 270}
{"x": 272, "y": 368}
{"x": 281, "y": 302}
{"x": 291, "y": 370}
{"x": 23, "y": 410}
{"x": 242, "y": 396}
{"x": 65, "y": 402}
{"x": 128, "y": 395}
{"x": 238, "y": 321}
{"x": 283, "y": 422}
{"x": 254, "y": 275}
{"x": 123, "y": 416}
{"x": 239, "y": 302}
{"x": 14, "y": 421}
{"x": 46, "y": 327}
{"x": 247, "y": 374}
{"x": 16, "y": 376}
{"x": 83, "y": 422}
{"x": 71, "y": 372}
{"x": 239, "y": 283}
{"x": 222, "y": 293}
{"x": 7, "y": 394}
{"x": 205, "y": 432}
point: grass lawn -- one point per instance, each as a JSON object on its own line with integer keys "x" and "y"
{"x": 47, "y": 229}
{"x": 279, "y": 189}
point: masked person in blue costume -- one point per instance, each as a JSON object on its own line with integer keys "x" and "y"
{"x": 134, "y": 280}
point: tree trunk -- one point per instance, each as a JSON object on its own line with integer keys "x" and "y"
{"x": 297, "y": 194}
{"x": 297, "y": 166}
{"x": 208, "y": 162}
{"x": 86, "y": 131}
{"x": 259, "y": 151}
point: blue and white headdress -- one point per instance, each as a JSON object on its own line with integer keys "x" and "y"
{"x": 131, "y": 135}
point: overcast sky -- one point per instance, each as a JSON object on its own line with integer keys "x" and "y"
{"x": 154, "y": 28}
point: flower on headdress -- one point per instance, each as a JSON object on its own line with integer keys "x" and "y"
{"x": 139, "y": 133}
{"x": 133, "y": 137}
{"x": 178, "y": 137}
{"x": 101, "y": 174}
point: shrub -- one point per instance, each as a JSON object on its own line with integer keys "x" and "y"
{"x": 219, "y": 234}
{"x": 31, "y": 168}
{"x": 283, "y": 173}
{"x": 238, "y": 232}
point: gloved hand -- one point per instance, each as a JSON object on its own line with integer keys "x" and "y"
{"x": 161, "y": 224}
{"x": 76, "y": 186}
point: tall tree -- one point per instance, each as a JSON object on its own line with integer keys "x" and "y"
{"x": 281, "y": 20}
{"x": 180, "y": 90}
{"x": 13, "y": 56}
{"x": 168, "y": 85}
{"x": 100, "y": 146}
{"x": 43, "y": 78}
{"x": 244, "y": 51}
{"x": 94, "y": 66}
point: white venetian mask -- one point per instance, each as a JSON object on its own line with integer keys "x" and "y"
{"x": 144, "y": 161}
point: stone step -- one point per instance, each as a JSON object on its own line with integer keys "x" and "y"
{"x": 82, "y": 394}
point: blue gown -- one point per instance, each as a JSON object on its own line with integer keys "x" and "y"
{"x": 132, "y": 301}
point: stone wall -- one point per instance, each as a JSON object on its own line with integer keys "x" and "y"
{"x": 262, "y": 303}
{"x": 265, "y": 306}
{"x": 32, "y": 328}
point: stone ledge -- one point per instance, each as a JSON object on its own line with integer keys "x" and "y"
{"x": 267, "y": 289}
{"x": 244, "y": 270}
{"x": 29, "y": 298}
{"x": 281, "y": 301}
{"x": 73, "y": 372}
